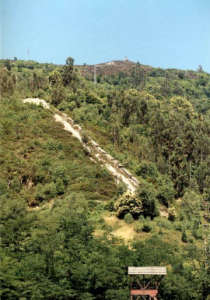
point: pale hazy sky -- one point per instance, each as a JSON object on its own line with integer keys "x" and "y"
{"x": 160, "y": 33}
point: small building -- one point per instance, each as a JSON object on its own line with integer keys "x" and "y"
{"x": 145, "y": 281}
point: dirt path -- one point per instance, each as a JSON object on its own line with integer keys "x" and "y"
{"x": 96, "y": 153}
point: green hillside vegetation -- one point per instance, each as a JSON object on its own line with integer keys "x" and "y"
{"x": 62, "y": 215}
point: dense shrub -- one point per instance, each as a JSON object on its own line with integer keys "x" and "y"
{"x": 121, "y": 188}
{"x": 138, "y": 227}
{"x": 128, "y": 203}
{"x": 184, "y": 236}
{"x": 163, "y": 223}
{"x": 147, "y": 227}
{"x": 3, "y": 187}
{"x": 128, "y": 218}
{"x": 172, "y": 215}
{"x": 147, "y": 194}
{"x": 147, "y": 169}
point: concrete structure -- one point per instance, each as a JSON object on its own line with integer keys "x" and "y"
{"x": 145, "y": 281}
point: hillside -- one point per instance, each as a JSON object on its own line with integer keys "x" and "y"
{"x": 69, "y": 226}
{"x": 109, "y": 68}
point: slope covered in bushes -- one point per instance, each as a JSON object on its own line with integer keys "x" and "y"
{"x": 56, "y": 242}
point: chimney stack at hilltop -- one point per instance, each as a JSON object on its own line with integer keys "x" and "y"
{"x": 126, "y": 58}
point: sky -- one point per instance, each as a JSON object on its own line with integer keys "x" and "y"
{"x": 159, "y": 33}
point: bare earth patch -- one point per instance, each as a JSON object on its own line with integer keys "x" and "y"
{"x": 164, "y": 213}
{"x": 37, "y": 101}
{"x": 120, "y": 228}
{"x": 126, "y": 232}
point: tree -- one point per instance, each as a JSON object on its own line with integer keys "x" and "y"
{"x": 128, "y": 203}
{"x": 14, "y": 222}
{"x": 165, "y": 88}
{"x": 55, "y": 78}
{"x": 184, "y": 236}
{"x": 57, "y": 95}
{"x": 68, "y": 71}
{"x": 36, "y": 82}
{"x": 147, "y": 195}
{"x": 147, "y": 169}
{"x": 138, "y": 76}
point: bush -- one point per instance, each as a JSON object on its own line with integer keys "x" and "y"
{"x": 60, "y": 186}
{"x": 178, "y": 225}
{"x": 3, "y": 187}
{"x": 147, "y": 169}
{"x": 165, "y": 190}
{"x": 172, "y": 215}
{"x": 16, "y": 185}
{"x": 184, "y": 236}
{"x": 198, "y": 234}
{"x": 104, "y": 173}
{"x": 109, "y": 206}
{"x": 128, "y": 218}
{"x": 141, "y": 218}
{"x": 85, "y": 137}
{"x": 60, "y": 172}
{"x": 163, "y": 223}
{"x": 128, "y": 203}
{"x": 50, "y": 190}
{"x": 40, "y": 195}
{"x": 160, "y": 232}
{"x": 147, "y": 194}
{"x": 138, "y": 227}
{"x": 147, "y": 228}
{"x": 121, "y": 188}
{"x": 72, "y": 105}
{"x": 182, "y": 216}
{"x": 191, "y": 204}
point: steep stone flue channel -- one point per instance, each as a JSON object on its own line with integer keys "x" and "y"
{"x": 96, "y": 152}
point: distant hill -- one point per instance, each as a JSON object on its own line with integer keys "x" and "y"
{"x": 108, "y": 68}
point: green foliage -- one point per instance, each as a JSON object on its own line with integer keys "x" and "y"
{"x": 85, "y": 137}
{"x": 121, "y": 188}
{"x": 141, "y": 218}
{"x": 60, "y": 188}
{"x": 163, "y": 223}
{"x": 128, "y": 218}
{"x": 57, "y": 95}
{"x": 147, "y": 196}
{"x": 138, "y": 227}
{"x": 16, "y": 185}
{"x": 184, "y": 236}
{"x": 165, "y": 190}
{"x": 172, "y": 215}
{"x": 68, "y": 74}
{"x": 147, "y": 227}
{"x": 110, "y": 205}
{"x": 198, "y": 234}
{"x": 55, "y": 78}
{"x": 191, "y": 204}
{"x": 147, "y": 170}
{"x": 138, "y": 76}
{"x": 3, "y": 187}
{"x": 128, "y": 203}
{"x": 156, "y": 122}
